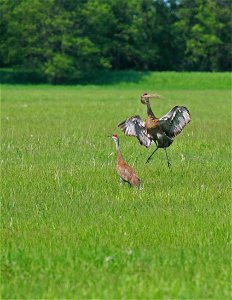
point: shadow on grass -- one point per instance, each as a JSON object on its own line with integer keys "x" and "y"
{"x": 150, "y": 80}
{"x": 12, "y": 76}
{"x": 114, "y": 77}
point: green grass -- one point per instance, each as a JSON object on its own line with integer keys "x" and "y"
{"x": 69, "y": 230}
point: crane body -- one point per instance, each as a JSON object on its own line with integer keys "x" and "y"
{"x": 125, "y": 172}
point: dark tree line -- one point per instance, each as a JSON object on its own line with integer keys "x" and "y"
{"x": 67, "y": 39}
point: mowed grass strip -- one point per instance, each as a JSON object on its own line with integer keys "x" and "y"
{"x": 69, "y": 230}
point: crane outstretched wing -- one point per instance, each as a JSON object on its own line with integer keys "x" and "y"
{"x": 175, "y": 120}
{"x": 135, "y": 126}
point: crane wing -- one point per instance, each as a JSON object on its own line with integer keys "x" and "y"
{"x": 135, "y": 126}
{"x": 175, "y": 120}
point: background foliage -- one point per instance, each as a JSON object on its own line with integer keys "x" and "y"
{"x": 64, "y": 40}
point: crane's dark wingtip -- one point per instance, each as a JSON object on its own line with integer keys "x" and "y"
{"x": 121, "y": 125}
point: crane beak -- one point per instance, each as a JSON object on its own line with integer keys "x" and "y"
{"x": 157, "y": 96}
{"x": 149, "y": 96}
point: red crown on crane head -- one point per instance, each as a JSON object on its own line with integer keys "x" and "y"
{"x": 115, "y": 135}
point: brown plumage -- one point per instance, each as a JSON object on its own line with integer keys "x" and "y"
{"x": 125, "y": 172}
{"x": 160, "y": 131}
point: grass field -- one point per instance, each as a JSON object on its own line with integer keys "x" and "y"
{"x": 69, "y": 230}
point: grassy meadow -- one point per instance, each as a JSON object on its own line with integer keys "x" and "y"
{"x": 69, "y": 230}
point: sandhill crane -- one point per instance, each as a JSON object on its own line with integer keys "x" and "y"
{"x": 125, "y": 172}
{"x": 160, "y": 131}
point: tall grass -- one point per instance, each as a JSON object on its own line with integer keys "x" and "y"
{"x": 69, "y": 230}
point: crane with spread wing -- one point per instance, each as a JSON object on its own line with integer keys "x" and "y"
{"x": 160, "y": 131}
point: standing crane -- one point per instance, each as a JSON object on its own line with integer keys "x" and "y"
{"x": 160, "y": 131}
{"x": 125, "y": 172}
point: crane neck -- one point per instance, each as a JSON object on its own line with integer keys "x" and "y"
{"x": 119, "y": 154}
{"x": 149, "y": 110}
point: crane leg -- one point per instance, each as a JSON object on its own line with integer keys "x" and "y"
{"x": 169, "y": 164}
{"x": 151, "y": 155}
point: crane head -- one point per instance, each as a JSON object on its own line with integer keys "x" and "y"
{"x": 145, "y": 98}
{"x": 115, "y": 137}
